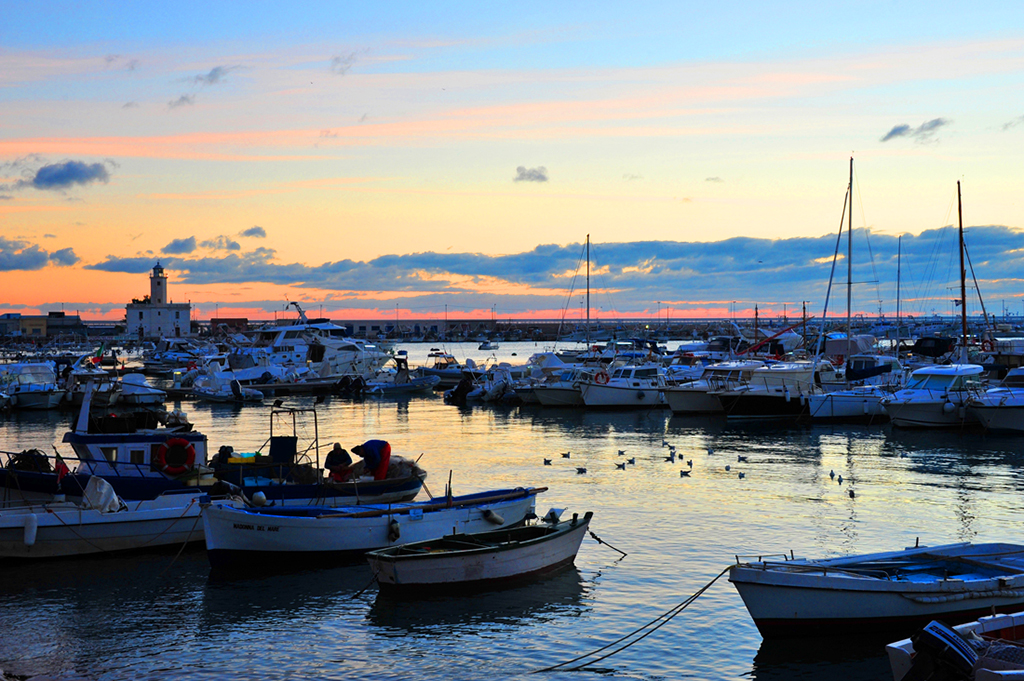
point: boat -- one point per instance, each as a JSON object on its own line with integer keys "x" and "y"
{"x": 564, "y": 391}
{"x": 448, "y": 370}
{"x": 936, "y": 396}
{"x": 1001, "y": 409}
{"x": 217, "y": 386}
{"x": 136, "y": 390}
{"x": 994, "y": 643}
{"x": 633, "y": 386}
{"x": 488, "y": 345}
{"x": 889, "y": 591}
{"x": 142, "y": 458}
{"x": 293, "y": 536}
{"x": 400, "y": 382}
{"x": 699, "y": 396}
{"x": 100, "y": 523}
{"x": 496, "y": 558}
{"x": 777, "y": 391}
{"x": 31, "y": 385}
{"x": 870, "y": 378}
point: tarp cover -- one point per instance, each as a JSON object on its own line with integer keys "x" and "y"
{"x": 100, "y": 496}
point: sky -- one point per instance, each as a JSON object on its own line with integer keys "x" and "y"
{"x": 427, "y": 159}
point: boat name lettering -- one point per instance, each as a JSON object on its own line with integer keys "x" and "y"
{"x": 257, "y": 528}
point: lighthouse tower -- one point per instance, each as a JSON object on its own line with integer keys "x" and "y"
{"x": 157, "y": 318}
{"x": 158, "y": 286}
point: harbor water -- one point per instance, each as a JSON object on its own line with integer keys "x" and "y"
{"x": 163, "y": 615}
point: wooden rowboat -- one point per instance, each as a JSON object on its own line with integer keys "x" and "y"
{"x": 485, "y": 559}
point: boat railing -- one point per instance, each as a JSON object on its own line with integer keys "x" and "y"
{"x": 789, "y": 565}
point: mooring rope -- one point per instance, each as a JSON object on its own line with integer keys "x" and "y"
{"x": 655, "y": 624}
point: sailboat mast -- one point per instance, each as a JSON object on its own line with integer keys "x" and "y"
{"x": 963, "y": 277}
{"x": 899, "y": 261}
{"x": 849, "y": 267}
{"x": 588, "y": 290}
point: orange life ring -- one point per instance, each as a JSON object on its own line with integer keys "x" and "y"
{"x": 987, "y": 346}
{"x": 175, "y": 456}
{"x": 601, "y": 378}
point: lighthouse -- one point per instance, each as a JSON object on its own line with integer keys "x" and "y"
{"x": 157, "y": 317}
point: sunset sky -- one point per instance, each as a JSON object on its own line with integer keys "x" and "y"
{"x": 412, "y": 158}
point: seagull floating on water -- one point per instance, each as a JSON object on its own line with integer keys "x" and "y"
{"x": 581, "y": 471}
{"x": 690, "y": 463}
{"x": 632, "y": 461}
{"x": 547, "y": 462}
{"x": 832, "y": 474}
{"x": 852, "y": 495}
{"x": 622, "y": 452}
{"x": 664, "y": 443}
{"x": 840, "y": 480}
{"x": 684, "y": 474}
{"x": 710, "y": 451}
{"x": 740, "y": 458}
{"x": 565, "y": 455}
{"x": 728, "y": 467}
{"x": 742, "y": 475}
{"x": 671, "y": 458}
{"x": 621, "y": 466}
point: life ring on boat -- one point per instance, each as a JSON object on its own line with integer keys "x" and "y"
{"x": 190, "y": 366}
{"x": 175, "y": 456}
{"x": 987, "y": 346}
{"x": 601, "y": 378}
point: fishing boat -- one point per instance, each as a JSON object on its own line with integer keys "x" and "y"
{"x": 496, "y": 558}
{"x": 100, "y": 523}
{"x": 990, "y": 648}
{"x": 291, "y": 536}
{"x": 890, "y": 591}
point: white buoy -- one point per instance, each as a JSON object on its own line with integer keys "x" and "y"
{"x": 259, "y": 499}
{"x": 31, "y": 527}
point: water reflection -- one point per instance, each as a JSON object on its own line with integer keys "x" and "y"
{"x": 819, "y": 659}
{"x": 561, "y": 595}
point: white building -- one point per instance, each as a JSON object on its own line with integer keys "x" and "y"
{"x": 159, "y": 318}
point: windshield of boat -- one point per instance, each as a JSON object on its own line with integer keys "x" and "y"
{"x": 938, "y": 382}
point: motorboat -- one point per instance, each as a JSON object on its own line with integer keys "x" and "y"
{"x": 488, "y": 345}
{"x": 497, "y": 558}
{"x": 777, "y": 391}
{"x": 136, "y": 390}
{"x": 698, "y": 396}
{"x": 869, "y": 378}
{"x": 217, "y": 386}
{"x": 100, "y": 523}
{"x": 990, "y": 648}
{"x": 170, "y": 354}
{"x": 890, "y": 591}
{"x": 31, "y": 385}
{"x": 294, "y": 536}
{"x": 936, "y": 396}
{"x": 1001, "y": 408}
{"x": 627, "y": 386}
{"x": 400, "y": 381}
{"x": 448, "y": 369}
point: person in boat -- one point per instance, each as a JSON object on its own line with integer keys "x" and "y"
{"x": 377, "y": 455}
{"x": 338, "y": 464}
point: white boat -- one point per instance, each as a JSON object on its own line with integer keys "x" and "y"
{"x": 564, "y": 391}
{"x": 31, "y": 385}
{"x": 997, "y": 642}
{"x": 101, "y": 523}
{"x": 218, "y": 386}
{"x": 895, "y": 590}
{"x": 135, "y": 389}
{"x": 399, "y": 381}
{"x": 627, "y": 386}
{"x": 698, "y": 397}
{"x": 1001, "y": 408}
{"x": 870, "y": 378}
{"x": 936, "y": 396}
{"x": 495, "y": 558}
{"x": 297, "y": 535}
{"x": 777, "y": 391}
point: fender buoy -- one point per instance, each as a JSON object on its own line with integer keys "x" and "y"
{"x": 175, "y": 456}
{"x": 987, "y": 346}
{"x": 601, "y": 378}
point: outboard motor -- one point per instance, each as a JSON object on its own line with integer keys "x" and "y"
{"x": 942, "y": 655}
{"x": 236, "y": 389}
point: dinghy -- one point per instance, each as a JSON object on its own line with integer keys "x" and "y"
{"x": 496, "y": 558}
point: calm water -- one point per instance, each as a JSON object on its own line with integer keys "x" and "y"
{"x": 154, "y": 616}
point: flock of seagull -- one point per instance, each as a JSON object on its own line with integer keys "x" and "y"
{"x": 685, "y": 472}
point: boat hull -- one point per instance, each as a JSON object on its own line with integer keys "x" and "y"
{"x": 929, "y": 413}
{"x": 568, "y": 396}
{"x": 754, "y": 405}
{"x": 483, "y": 567}
{"x": 1003, "y": 418}
{"x": 687, "y": 401}
{"x": 611, "y": 396}
{"x": 847, "y": 406}
{"x": 278, "y": 540}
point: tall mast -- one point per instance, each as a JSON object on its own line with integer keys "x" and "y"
{"x": 588, "y": 290}
{"x": 849, "y": 268}
{"x": 899, "y": 260}
{"x": 963, "y": 278}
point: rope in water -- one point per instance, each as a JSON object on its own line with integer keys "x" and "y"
{"x": 651, "y": 627}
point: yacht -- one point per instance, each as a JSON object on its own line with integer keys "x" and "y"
{"x": 777, "y": 390}
{"x": 936, "y": 396}
{"x": 627, "y": 386}
{"x": 698, "y": 396}
{"x": 1001, "y": 408}
{"x": 869, "y": 379}
{"x": 31, "y": 385}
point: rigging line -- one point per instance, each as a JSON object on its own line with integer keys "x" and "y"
{"x": 828, "y": 291}
{"x": 572, "y": 289}
{"x": 867, "y": 237}
{"x": 976, "y": 287}
{"x": 665, "y": 616}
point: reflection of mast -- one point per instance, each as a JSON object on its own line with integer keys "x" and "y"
{"x": 963, "y": 278}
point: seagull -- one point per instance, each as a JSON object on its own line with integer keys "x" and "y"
{"x": 852, "y": 495}
{"x": 832, "y": 474}
{"x": 840, "y": 479}
{"x": 671, "y": 459}
{"x": 741, "y": 475}
{"x": 547, "y": 462}
{"x": 690, "y": 463}
{"x": 664, "y": 443}
{"x": 672, "y": 448}
{"x": 728, "y": 468}
{"x": 581, "y": 471}
{"x": 684, "y": 474}
{"x": 622, "y": 452}
{"x": 565, "y": 455}
{"x": 631, "y": 462}
{"x": 710, "y": 451}
{"x": 903, "y": 455}
{"x": 620, "y": 466}
{"x": 740, "y": 459}
{"x": 278, "y": 403}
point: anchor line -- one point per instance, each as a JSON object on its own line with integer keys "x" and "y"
{"x": 652, "y": 626}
